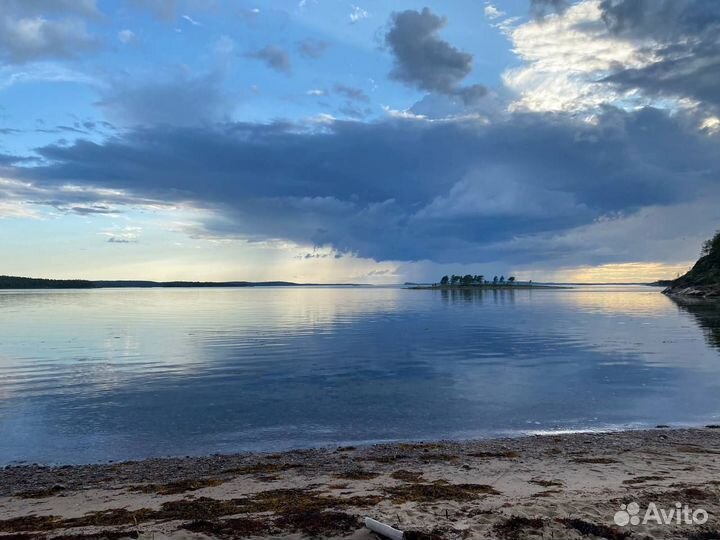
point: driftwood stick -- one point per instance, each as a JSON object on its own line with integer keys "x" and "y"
{"x": 383, "y": 530}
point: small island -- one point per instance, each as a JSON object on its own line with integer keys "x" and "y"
{"x": 703, "y": 279}
{"x": 469, "y": 281}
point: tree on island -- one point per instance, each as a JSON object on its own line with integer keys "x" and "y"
{"x": 469, "y": 280}
{"x": 710, "y": 246}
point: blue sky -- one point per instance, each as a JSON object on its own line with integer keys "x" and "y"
{"x": 367, "y": 141}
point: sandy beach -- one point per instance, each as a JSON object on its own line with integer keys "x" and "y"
{"x": 552, "y": 486}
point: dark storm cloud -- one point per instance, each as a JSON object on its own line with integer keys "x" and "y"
{"x": 8, "y": 159}
{"x": 687, "y": 38}
{"x": 403, "y": 189}
{"x": 274, "y": 57}
{"x": 423, "y": 59}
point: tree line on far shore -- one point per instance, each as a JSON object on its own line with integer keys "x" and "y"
{"x": 469, "y": 280}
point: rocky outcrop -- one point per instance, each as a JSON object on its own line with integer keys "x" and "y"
{"x": 694, "y": 291}
{"x": 703, "y": 280}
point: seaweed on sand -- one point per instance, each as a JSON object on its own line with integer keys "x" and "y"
{"x": 230, "y": 528}
{"x": 596, "y": 460}
{"x": 500, "y": 454}
{"x": 593, "y": 529}
{"x": 318, "y": 523}
{"x": 200, "y": 508}
{"x": 516, "y": 527}
{"x": 263, "y": 468}
{"x": 356, "y": 474}
{"x": 642, "y": 480}
{"x": 546, "y": 483}
{"x": 30, "y": 523}
{"x": 175, "y": 488}
{"x": 438, "y": 492}
{"x": 407, "y": 476}
{"x": 42, "y": 493}
{"x": 281, "y": 501}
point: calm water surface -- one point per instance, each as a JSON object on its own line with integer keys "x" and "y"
{"x": 116, "y": 374}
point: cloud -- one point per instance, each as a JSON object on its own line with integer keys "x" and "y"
{"x": 357, "y": 14}
{"x": 274, "y": 57}
{"x": 684, "y": 36}
{"x": 29, "y": 39}
{"x": 565, "y": 56}
{"x": 492, "y": 12}
{"x": 190, "y": 20}
{"x": 596, "y": 52}
{"x": 175, "y": 99}
{"x": 312, "y": 48}
{"x": 425, "y": 61}
{"x": 127, "y": 37}
{"x": 123, "y": 235}
{"x": 70, "y": 198}
{"x": 351, "y": 93}
{"x": 541, "y": 8}
{"x": 410, "y": 189}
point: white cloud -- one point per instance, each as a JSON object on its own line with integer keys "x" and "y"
{"x": 357, "y": 14}
{"x": 565, "y": 55}
{"x": 711, "y": 125}
{"x": 189, "y": 19}
{"x": 407, "y": 113}
{"x": 122, "y": 235}
{"x": 42, "y": 71}
{"x": 492, "y": 12}
{"x": 33, "y": 38}
{"x": 16, "y": 209}
{"x": 126, "y": 36}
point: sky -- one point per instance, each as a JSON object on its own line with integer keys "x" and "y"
{"x": 367, "y": 141}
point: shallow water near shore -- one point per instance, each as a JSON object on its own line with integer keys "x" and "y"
{"x": 99, "y": 375}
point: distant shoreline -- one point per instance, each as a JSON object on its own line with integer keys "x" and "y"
{"x": 23, "y": 283}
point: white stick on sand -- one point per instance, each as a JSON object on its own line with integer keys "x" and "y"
{"x": 384, "y": 530}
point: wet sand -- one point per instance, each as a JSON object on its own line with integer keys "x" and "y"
{"x": 540, "y": 487}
